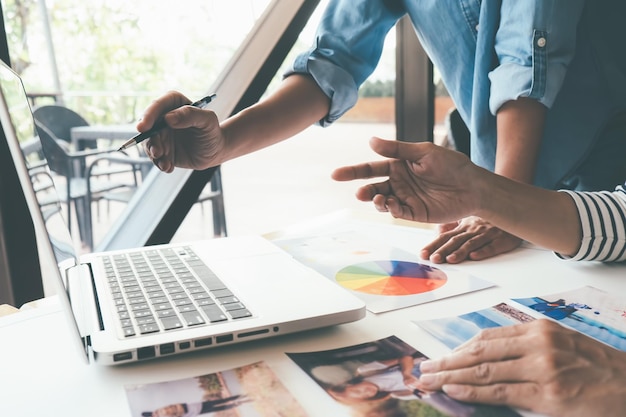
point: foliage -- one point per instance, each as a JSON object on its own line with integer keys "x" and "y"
{"x": 378, "y": 88}
{"x": 420, "y": 409}
{"x": 114, "y": 57}
{"x": 18, "y": 12}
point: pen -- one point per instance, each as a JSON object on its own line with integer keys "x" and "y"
{"x": 160, "y": 124}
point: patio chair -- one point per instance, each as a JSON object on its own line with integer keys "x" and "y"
{"x": 81, "y": 186}
{"x": 60, "y": 120}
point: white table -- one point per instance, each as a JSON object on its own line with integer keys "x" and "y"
{"x": 42, "y": 372}
{"x": 106, "y": 132}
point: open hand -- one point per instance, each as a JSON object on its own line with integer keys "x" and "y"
{"x": 425, "y": 182}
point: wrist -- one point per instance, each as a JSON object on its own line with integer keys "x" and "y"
{"x": 480, "y": 190}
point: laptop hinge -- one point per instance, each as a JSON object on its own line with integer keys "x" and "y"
{"x": 82, "y": 296}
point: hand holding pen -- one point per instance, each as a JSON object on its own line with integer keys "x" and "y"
{"x": 160, "y": 124}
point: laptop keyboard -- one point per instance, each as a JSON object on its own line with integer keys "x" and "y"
{"x": 168, "y": 289}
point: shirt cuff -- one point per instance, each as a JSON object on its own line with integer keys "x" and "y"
{"x": 587, "y": 239}
{"x": 335, "y": 82}
{"x": 510, "y": 81}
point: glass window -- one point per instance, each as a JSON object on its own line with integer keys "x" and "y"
{"x": 290, "y": 182}
{"x": 106, "y": 60}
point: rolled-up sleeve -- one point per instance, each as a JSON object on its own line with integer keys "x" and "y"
{"x": 603, "y": 224}
{"x": 347, "y": 47}
{"x": 535, "y": 43}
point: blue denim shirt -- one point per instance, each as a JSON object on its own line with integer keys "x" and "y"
{"x": 488, "y": 52}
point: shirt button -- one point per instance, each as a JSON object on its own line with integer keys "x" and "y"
{"x": 541, "y": 42}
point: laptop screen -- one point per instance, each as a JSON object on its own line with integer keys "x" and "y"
{"x": 53, "y": 237}
{"x": 21, "y": 122}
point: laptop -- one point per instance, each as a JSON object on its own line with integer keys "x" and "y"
{"x": 163, "y": 300}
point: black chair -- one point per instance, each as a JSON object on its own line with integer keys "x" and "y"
{"x": 60, "y": 120}
{"x": 81, "y": 186}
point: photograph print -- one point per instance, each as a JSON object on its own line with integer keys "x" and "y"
{"x": 381, "y": 378}
{"x": 249, "y": 391}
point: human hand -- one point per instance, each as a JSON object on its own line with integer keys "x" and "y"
{"x": 424, "y": 182}
{"x": 539, "y": 366}
{"x": 470, "y": 238}
{"x": 193, "y": 138}
{"x": 174, "y": 410}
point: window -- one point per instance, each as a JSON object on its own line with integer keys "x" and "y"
{"x": 121, "y": 55}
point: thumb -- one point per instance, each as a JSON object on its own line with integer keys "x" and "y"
{"x": 187, "y": 116}
{"x": 396, "y": 149}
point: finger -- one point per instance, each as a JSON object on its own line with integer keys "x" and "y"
{"x": 472, "y": 244}
{"x": 361, "y": 171}
{"x": 446, "y": 227}
{"x": 148, "y": 148}
{"x": 445, "y": 244}
{"x": 402, "y": 211}
{"x": 411, "y": 151}
{"x": 156, "y": 146}
{"x": 380, "y": 203}
{"x": 368, "y": 192}
{"x": 496, "y": 247}
{"x": 160, "y": 151}
{"x": 190, "y": 117}
{"x": 487, "y": 373}
{"x": 159, "y": 107}
{"x": 523, "y": 395}
{"x": 494, "y": 333}
{"x": 496, "y": 344}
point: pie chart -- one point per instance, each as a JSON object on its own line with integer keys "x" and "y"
{"x": 389, "y": 277}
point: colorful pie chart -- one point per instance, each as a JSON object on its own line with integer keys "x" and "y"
{"x": 388, "y": 277}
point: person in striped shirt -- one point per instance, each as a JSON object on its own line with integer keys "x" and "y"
{"x": 428, "y": 183}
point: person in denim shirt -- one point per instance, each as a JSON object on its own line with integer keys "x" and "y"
{"x": 526, "y": 76}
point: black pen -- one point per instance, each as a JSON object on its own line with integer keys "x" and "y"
{"x": 160, "y": 125}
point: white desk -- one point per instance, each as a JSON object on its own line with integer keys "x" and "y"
{"x": 43, "y": 375}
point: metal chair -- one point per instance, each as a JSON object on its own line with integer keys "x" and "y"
{"x": 81, "y": 186}
{"x": 60, "y": 120}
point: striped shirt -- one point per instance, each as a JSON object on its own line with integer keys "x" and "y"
{"x": 603, "y": 221}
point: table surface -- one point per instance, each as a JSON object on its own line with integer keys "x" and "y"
{"x": 110, "y": 132}
{"x": 43, "y": 373}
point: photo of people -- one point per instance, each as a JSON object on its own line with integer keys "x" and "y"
{"x": 381, "y": 378}
{"x": 453, "y": 331}
{"x": 249, "y": 391}
{"x": 589, "y": 310}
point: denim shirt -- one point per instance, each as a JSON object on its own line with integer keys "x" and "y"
{"x": 488, "y": 52}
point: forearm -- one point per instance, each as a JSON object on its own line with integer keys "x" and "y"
{"x": 520, "y": 129}
{"x": 298, "y": 104}
{"x": 543, "y": 217}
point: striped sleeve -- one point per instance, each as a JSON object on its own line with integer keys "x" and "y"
{"x": 603, "y": 221}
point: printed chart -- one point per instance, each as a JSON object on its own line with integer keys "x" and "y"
{"x": 390, "y": 277}
{"x": 384, "y": 276}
